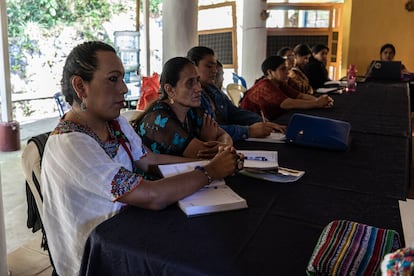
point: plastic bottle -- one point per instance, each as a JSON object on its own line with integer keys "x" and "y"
{"x": 351, "y": 80}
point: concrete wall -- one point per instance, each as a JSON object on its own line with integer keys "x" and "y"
{"x": 368, "y": 24}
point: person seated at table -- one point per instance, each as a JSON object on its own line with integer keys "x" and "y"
{"x": 288, "y": 54}
{"x": 387, "y": 53}
{"x": 89, "y": 159}
{"x": 239, "y": 123}
{"x": 219, "y": 76}
{"x": 272, "y": 95}
{"x": 176, "y": 124}
{"x": 315, "y": 69}
{"x": 297, "y": 77}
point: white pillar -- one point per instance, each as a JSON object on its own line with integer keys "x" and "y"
{"x": 180, "y": 20}
{"x": 254, "y": 40}
{"x": 3, "y": 249}
{"x": 5, "y": 87}
{"x": 147, "y": 43}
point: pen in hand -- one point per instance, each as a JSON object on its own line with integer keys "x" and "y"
{"x": 263, "y": 117}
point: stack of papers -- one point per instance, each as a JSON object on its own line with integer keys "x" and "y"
{"x": 325, "y": 90}
{"x": 260, "y": 159}
{"x": 274, "y": 137}
{"x": 335, "y": 83}
{"x": 264, "y": 165}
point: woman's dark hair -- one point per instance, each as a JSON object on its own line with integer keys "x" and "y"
{"x": 319, "y": 47}
{"x": 302, "y": 50}
{"x": 171, "y": 73}
{"x": 82, "y": 61}
{"x": 282, "y": 51}
{"x": 387, "y": 45}
{"x": 197, "y": 53}
{"x": 272, "y": 63}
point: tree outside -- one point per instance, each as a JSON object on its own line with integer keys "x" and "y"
{"x": 42, "y": 32}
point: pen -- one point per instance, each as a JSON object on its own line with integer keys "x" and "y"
{"x": 263, "y": 117}
{"x": 257, "y": 158}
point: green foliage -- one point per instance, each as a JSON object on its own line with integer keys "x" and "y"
{"x": 46, "y": 13}
{"x": 50, "y": 15}
{"x": 154, "y": 6}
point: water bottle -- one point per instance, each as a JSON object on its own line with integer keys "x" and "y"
{"x": 351, "y": 80}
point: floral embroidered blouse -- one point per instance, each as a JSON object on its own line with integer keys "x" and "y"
{"x": 82, "y": 180}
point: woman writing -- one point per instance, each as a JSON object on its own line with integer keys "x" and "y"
{"x": 89, "y": 159}
{"x": 239, "y": 123}
{"x": 175, "y": 124}
{"x": 272, "y": 95}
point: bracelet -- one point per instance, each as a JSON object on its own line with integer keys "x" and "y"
{"x": 203, "y": 170}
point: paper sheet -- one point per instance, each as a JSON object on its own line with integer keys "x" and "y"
{"x": 407, "y": 218}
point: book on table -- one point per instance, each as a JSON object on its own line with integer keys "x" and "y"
{"x": 216, "y": 197}
{"x": 264, "y": 165}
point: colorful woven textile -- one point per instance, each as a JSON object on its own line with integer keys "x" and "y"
{"x": 351, "y": 248}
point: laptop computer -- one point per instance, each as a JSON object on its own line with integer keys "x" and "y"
{"x": 384, "y": 70}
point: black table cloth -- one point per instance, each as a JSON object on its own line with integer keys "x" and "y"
{"x": 375, "y": 108}
{"x": 276, "y": 235}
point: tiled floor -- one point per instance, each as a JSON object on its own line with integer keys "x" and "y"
{"x": 25, "y": 257}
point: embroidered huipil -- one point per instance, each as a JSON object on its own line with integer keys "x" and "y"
{"x": 82, "y": 178}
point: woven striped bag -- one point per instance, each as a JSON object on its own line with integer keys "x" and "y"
{"x": 351, "y": 248}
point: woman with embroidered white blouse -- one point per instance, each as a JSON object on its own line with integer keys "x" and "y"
{"x": 91, "y": 158}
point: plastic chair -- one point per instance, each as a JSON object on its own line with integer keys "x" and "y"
{"x": 235, "y": 92}
{"x": 31, "y": 164}
{"x": 239, "y": 79}
{"x": 62, "y": 105}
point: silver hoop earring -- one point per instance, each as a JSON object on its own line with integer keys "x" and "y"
{"x": 83, "y": 106}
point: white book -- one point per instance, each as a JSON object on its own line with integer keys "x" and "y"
{"x": 216, "y": 197}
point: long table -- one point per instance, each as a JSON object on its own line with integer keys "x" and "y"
{"x": 277, "y": 233}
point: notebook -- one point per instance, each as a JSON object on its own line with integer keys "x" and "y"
{"x": 216, "y": 197}
{"x": 384, "y": 70}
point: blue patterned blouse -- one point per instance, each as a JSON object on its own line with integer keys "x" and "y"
{"x": 162, "y": 131}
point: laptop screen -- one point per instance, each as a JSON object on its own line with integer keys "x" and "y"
{"x": 384, "y": 70}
